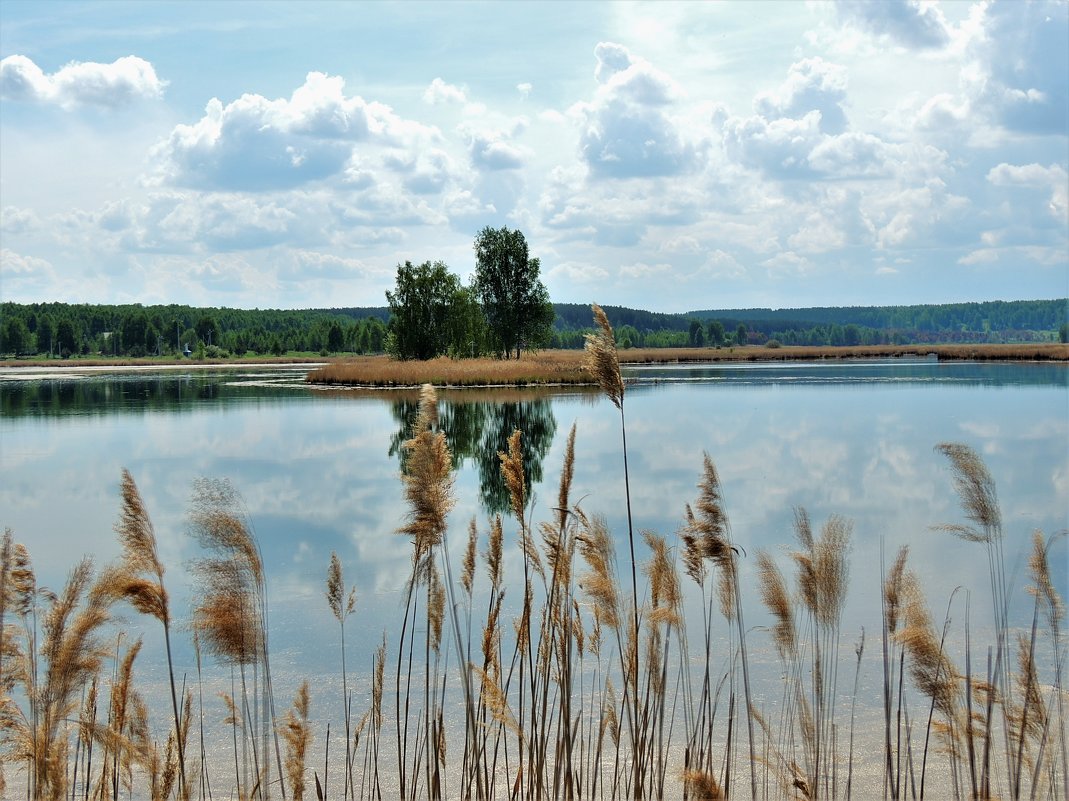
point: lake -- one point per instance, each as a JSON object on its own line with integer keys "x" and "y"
{"x": 319, "y": 471}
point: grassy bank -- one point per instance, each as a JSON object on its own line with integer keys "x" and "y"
{"x": 565, "y": 366}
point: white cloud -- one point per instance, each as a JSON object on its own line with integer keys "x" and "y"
{"x": 524, "y": 89}
{"x": 256, "y": 144}
{"x": 15, "y": 264}
{"x": 441, "y": 92}
{"x": 113, "y": 85}
{"x": 786, "y": 262}
{"x": 1021, "y": 69}
{"x": 14, "y": 220}
{"x": 812, "y": 84}
{"x": 1055, "y": 178}
{"x": 625, "y": 129}
{"x": 304, "y": 265}
{"x": 641, "y": 270}
{"x": 780, "y": 147}
{"x": 908, "y": 23}
{"x": 493, "y": 150}
{"x": 578, "y": 272}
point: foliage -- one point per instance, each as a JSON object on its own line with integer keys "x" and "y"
{"x": 515, "y": 302}
{"x": 420, "y": 308}
{"x": 62, "y": 329}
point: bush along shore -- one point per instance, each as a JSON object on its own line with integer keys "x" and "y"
{"x": 590, "y": 683}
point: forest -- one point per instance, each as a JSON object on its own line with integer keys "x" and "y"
{"x": 62, "y": 330}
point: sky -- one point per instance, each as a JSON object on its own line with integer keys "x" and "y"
{"x": 662, "y": 156}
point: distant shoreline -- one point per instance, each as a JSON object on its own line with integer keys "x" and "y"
{"x": 552, "y": 367}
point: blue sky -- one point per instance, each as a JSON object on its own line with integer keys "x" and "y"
{"x": 667, "y": 156}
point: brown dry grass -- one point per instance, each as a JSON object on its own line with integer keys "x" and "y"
{"x": 1039, "y": 351}
{"x": 555, "y": 367}
{"x": 546, "y": 367}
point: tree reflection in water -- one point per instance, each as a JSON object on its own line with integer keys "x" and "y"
{"x": 478, "y": 429}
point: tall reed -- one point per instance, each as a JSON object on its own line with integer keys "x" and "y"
{"x": 603, "y": 362}
{"x": 341, "y": 607}
{"x": 139, "y": 580}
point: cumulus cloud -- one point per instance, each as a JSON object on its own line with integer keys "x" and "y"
{"x": 1022, "y": 70}
{"x": 780, "y": 147}
{"x": 302, "y": 265}
{"x": 907, "y": 23}
{"x": 14, "y": 220}
{"x": 258, "y": 144}
{"x": 578, "y": 272}
{"x": 111, "y": 86}
{"x": 20, "y": 266}
{"x": 812, "y": 84}
{"x": 441, "y": 92}
{"x": 1035, "y": 176}
{"x": 493, "y": 149}
{"x": 626, "y": 130}
{"x": 641, "y": 270}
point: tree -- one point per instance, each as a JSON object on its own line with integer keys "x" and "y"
{"x": 420, "y": 308}
{"x": 207, "y": 330}
{"x": 696, "y": 334}
{"x": 515, "y": 302}
{"x": 66, "y": 339}
{"x": 740, "y": 334}
{"x": 716, "y": 333}
{"x": 335, "y": 337}
{"x": 16, "y": 337}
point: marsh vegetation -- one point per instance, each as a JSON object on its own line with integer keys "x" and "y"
{"x": 586, "y": 678}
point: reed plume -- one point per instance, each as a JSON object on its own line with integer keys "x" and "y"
{"x": 1048, "y": 599}
{"x": 601, "y": 358}
{"x": 931, "y": 669}
{"x": 467, "y": 574}
{"x": 702, "y": 786}
{"x": 976, "y": 489}
{"x": 230, "y": 615}
{"x": 428, "y": 480}
{"x": 776, "y": 597}
{"x": 709, "y": 525}
{"x": 139, "y": 580}
{"x": 70, "y": 655}
{"x": 599, "y": 582}
{"x": 297, "y": 735}
{"x": 512, "y": 472}
{"x": 341, "y": 607}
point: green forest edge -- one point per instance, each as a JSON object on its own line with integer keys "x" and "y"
{"x": 598, "y": 688}
{"x": 504, "y": 310}
{"x": 61, "y": 330}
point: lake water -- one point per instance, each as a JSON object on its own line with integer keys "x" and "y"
{"x": 319, "y": 472}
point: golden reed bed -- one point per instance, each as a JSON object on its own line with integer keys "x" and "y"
{"x": 566, "y": 366}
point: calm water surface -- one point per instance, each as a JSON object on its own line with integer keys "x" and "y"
{"x": 319, "y": 472}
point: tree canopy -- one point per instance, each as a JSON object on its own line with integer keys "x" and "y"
{"x": 515, "y": 302}
{"x": 420, "y": 309}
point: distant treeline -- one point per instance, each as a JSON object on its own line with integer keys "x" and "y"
{"x": 61, "y": 329}
{"x": 991, "y": 321}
